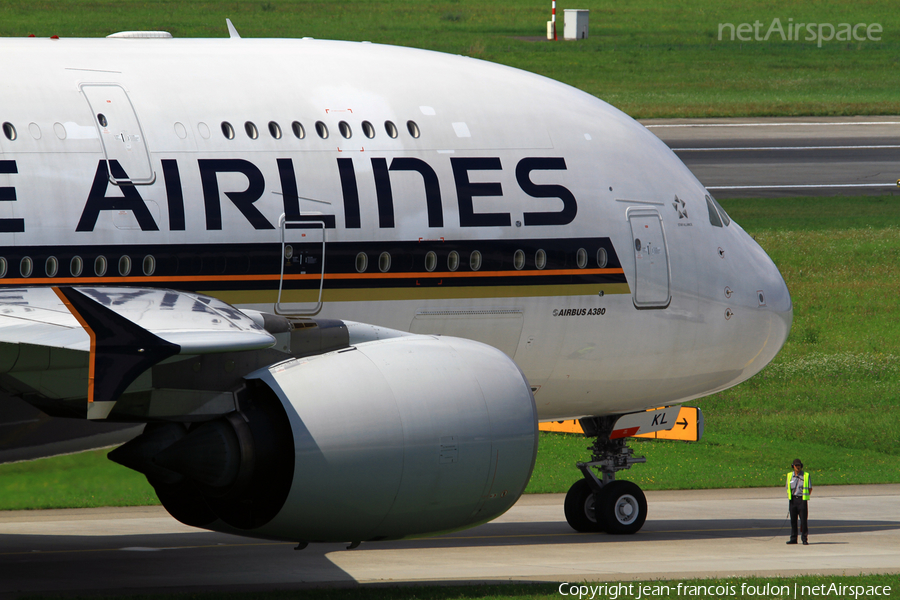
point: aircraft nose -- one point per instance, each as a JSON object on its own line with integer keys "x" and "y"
{"x": 775, "y": 307}
{"x": 778, "y": 301}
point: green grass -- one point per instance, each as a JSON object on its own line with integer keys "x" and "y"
{"x": 649, "y": 58}
{"x": 82, "y": 480}
{"x": 830, "y": 213}
{"x": 743, "y": 587}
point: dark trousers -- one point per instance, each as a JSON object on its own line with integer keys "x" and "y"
{"x": 799, "y": 508}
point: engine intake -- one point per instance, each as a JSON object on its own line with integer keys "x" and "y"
{"x": 234, "y": 471}
{"x": 383, "y": 440}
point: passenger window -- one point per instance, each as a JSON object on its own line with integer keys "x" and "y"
{"x": 475, "y": 260}
{"x": 581, "y": 258}
{"x": 384, "y": 262}
{"x": 362, "y": 262}
{"x": 26, "y": 266}
{"x": 149, "y": 265}
{"x": 76, "y": 266}
{"x": 124, "y": 265}
{"x": 100, "y": 266}
{"x": 519, "y": 260}
{"x": 51, "y": 266}
{"x": 227, "y": 130}
{"x": 430, "y": 261}
{"x": 9, "y": 131}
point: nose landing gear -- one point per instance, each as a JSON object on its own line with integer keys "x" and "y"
{"x": 595, "y": 504}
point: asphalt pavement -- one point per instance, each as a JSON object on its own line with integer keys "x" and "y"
{"x": 688, "y": 534}
{"x": 788, "y": 156}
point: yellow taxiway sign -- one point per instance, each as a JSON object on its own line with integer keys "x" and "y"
{"x": 688, "y": 426}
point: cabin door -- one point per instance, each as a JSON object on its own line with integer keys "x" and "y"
{"x": 123, "y": 141}
{"x": 652, "y": 285}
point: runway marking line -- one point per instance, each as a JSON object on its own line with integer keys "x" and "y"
{"x": 801, "y": 186}
{"x": 670, "y": 125}
{"x": 488, "y": 537}
{"x": 735, "y": 149}
{"x": 431, "y": 539}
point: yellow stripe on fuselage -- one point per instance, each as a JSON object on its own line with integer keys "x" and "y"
{"x": 416, "y": 293}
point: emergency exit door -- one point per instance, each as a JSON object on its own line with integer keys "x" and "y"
{"x": 124, "y": 145}
{"x": 652, "y": 286}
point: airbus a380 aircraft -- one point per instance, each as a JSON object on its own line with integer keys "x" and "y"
{"x": 250, "y": 245}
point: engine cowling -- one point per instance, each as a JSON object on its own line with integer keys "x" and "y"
{"x": 383, "y": 440}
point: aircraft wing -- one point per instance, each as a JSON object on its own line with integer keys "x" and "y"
{"x": 110, "y": 336}
{"x": 198, "y": 324}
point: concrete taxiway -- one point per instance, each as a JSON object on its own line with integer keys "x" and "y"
{"x": 788, "y": 156}
{"x": 707, "y": 533}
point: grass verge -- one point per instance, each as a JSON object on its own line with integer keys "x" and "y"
{"x": 83, "y": 480}
{"x": 649, "y": 58}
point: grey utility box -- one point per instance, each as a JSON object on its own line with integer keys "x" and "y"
{"x": 576, "y": 27}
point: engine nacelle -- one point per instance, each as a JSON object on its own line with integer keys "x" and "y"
{"x": 392, "y": 438}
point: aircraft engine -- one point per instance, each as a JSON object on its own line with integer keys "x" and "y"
{"x": 383, "y": 440}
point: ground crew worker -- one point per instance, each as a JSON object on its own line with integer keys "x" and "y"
{"x": 798, "y": 490}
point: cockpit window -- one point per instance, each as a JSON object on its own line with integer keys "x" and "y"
{"x": 725, "y": 218}
{"x": 714, "y": 219}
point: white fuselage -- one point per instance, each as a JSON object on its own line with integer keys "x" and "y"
{"x": 629, "y": 296}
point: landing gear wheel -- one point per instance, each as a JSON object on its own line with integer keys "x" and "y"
{"x": 579, "y": 508}
{"x": 622, "y": 508}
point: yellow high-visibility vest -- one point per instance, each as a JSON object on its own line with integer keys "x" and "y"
{"x": 805, "y": 485}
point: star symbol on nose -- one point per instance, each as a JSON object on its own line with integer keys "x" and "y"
{"x": 680, "y": 208}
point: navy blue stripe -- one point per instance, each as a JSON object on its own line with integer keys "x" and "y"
{"x": 265, "y": 259}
